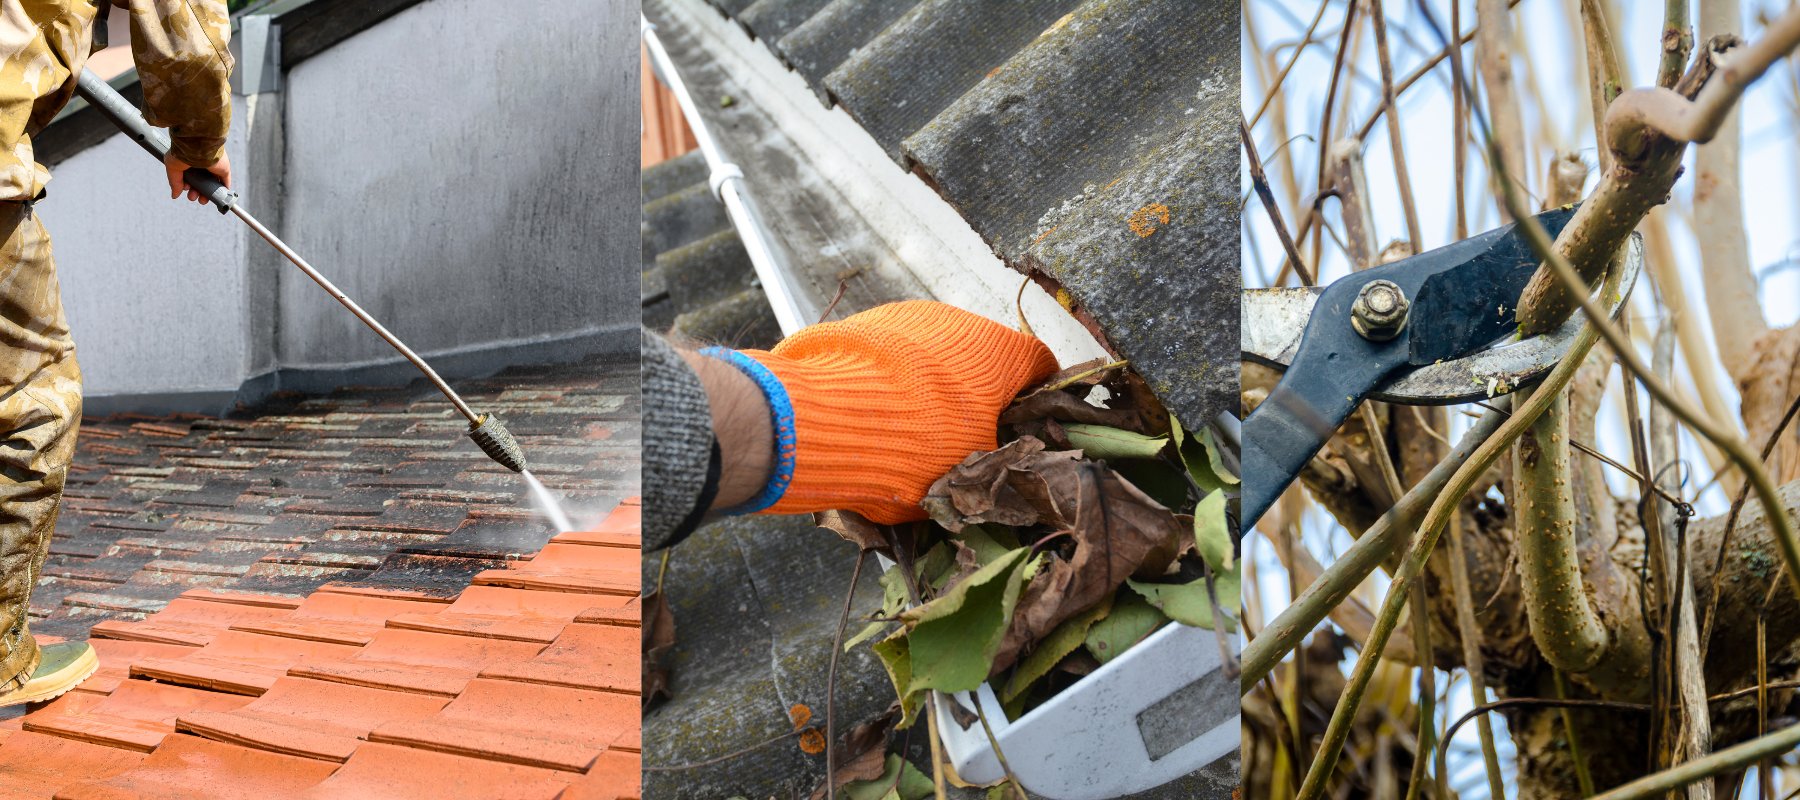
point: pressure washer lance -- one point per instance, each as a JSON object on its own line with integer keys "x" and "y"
{"x": 485, "y": 429}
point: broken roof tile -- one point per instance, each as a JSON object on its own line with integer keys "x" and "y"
{"x": 393, "y": 772}
{"x": 228, "y": 772}
{"x": 314, "y": 719}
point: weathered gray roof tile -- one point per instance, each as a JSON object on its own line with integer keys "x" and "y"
{"x": 1090, "y": 143}
{"x": 926, "y": 59}
{"x": 818, "y": 45}
{"x": 770, "y": 20}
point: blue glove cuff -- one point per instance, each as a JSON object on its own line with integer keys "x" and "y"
{"x": 781, "y": 418}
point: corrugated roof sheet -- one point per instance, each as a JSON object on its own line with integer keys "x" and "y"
{"x": 1090, "y": 143}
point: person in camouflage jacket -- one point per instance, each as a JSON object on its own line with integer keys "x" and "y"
{"x": 180, "y": 48}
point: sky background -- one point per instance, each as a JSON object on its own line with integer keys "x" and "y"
{"x": 1554, "y": 94}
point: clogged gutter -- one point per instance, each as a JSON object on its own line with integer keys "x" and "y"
{"x": 1091, "y": 527}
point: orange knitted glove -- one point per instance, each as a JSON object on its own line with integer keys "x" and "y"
{"x": 887, "y": 401}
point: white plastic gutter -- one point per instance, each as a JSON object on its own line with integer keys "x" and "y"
{"x": 727, "y": 182}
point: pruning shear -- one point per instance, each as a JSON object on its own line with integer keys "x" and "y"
{"x": 1431, "y": 329}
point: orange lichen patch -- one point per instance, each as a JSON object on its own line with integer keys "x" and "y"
{"x": 799, "y": 714}
{"x": 1147, "y": 220}
{"x": 524, "y": 686}
{"x": 812, "y": 741}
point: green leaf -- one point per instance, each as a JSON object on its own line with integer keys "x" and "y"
{"x": 953, "y": 638}
{"x": 934, "y": 569}
{"x": 988, "y": 548}
{"x": 1200, "y": 454}
{"x": 1188, "y": 603}
{"x": 893, "y": 601}
{"x": 1104, "y": 443}
{"x": 1132, "y": 619}
{"x": 896, "y": 656}
{"x": 900, "y": 780}
{"x": 1065, "y": 639}
{"x": 1212, "y": 532}
{"x": 868, "y": 632}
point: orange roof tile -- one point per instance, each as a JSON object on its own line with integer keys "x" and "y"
{"x": 524, "y": 685}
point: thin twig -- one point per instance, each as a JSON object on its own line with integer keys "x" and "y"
{"x": 1394, "y": 141}
{"x": 1470, "y": 628}
{"x": 837, "y": 646}
{"x": 1721, "y": 762}
{"x": 1677, "y": 42}
{"x": 1583, "y": 776}
{"x": 1281, "y": 77}
{"x": 1005, "y": 768}
{"x": 1263, "y": 193}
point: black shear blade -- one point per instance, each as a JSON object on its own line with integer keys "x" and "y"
{"x": 1463, "y": 299}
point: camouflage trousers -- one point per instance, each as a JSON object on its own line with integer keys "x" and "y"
{"x": 40, "y": 410}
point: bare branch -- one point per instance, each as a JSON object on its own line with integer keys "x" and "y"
{"x": 1695, "y": 731}
{"x": 1493, "y": 51}
{"x": 1563, "y": 622}
{"x": 1731, "y": 291}
{"x": 1677, "y": 42}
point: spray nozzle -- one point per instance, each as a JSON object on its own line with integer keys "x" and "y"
{"x": 495, "y": 440}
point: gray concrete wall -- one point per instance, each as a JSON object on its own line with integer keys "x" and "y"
{"x": 468, "y": 176}
{"x": 154, "y": 289}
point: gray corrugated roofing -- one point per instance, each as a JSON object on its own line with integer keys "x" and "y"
{"x": 673, "y": 175}
{"x": 818, "y": 45}
{"x": 927, "y": 58}
{"x": 698, "y": 281}
{"x": 1090, "y": 143}
{"x": 772, "y": 19}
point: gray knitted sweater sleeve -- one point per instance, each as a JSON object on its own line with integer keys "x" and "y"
{"x": 678, "y": 445}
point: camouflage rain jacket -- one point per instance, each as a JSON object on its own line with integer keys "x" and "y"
{"x": 182, "y": 61}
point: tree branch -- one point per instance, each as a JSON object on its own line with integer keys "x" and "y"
{"x": 1731, "y": 292}
{"x": 1563, "y": 622}
{"x": 1494, "y": 54}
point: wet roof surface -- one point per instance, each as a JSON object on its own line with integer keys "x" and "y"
{"x": 329, "y": 598}
{"x": 373, "y": 486}
{"x": 1085, "y": 141}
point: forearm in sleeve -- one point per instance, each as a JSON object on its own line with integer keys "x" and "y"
{"x": 183, "y": 58}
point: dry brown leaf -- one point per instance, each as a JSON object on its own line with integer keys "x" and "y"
{"x": 978, "y": 489}
{"x": 855, "y": 529}
{"x": 1070, "y": 408}
{"x": 863, "y": 755}
{"x": 1117, "y": 530}
{"x": 659, "y": 639}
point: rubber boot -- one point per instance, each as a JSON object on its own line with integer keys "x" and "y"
{"x": 61, "y": 667}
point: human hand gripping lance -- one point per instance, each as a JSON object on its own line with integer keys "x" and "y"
{"x": 487, "y": 431}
